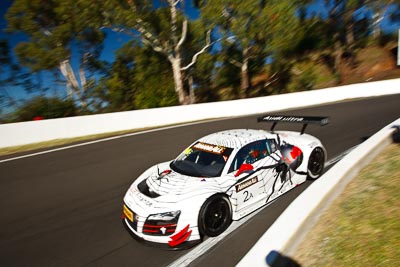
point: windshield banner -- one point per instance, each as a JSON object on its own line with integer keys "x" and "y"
{"x": 219, "y": 150}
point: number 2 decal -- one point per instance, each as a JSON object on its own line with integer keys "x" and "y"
{"x": 247, "y": 196}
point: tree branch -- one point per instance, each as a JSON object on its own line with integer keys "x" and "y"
{"x": 208, "y": 44}
{"x": 82, "y": 75}
{"x": 235, "y": 63}
{"x": 183, "y": 35}
{"x": 175, "y": 3}
{"x": 271, "y": 79}
{"x": 147, "y": 36}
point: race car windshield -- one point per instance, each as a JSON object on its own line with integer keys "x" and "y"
{"x": 202, "y": 160}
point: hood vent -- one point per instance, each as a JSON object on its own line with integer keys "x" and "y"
{"x": 145, "y": 190}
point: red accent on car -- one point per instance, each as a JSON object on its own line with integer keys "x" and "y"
{"x": 180, "y": 237}
{"x": 123, "y": 216}
{"x": 156, "y": 229}
{"x": 244, "y": 168}
{"x": 159, "y": 226}
{"x": 295, "y": 152}
{"x": 165, "y": 172}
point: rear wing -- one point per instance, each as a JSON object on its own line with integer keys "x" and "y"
{"x": 305, "y": 120}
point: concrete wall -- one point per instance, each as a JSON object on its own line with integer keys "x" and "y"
{"x": 22, "y": 133}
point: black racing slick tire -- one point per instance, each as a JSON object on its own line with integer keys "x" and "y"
{"x": 316, "y": 163}
{"x": 215, "y": 215}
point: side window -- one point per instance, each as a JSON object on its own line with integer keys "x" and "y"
{"x": 253, "y": 152}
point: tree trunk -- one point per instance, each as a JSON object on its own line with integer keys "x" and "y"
{"x": 376, "y": 22}
{"x": 82, "y": 77}
{"x": 245, "y": 79}
{"x": 350, "y": 35}
{"x": 178, "y": 79}
{"x": 72, "y": 83}
{"x": 338, "y": 51}
{"x": 192, "y": 95}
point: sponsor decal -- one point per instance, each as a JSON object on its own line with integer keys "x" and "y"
{"x": 324, "y": 121}
{"x": 188, "y": 151}
{"x": 141, "y": 198}
{"x": 210, "y": 148}
{"x": 246, "y": 184}
{"x": 180, "y": 237}
{"x": 282, "y": 118}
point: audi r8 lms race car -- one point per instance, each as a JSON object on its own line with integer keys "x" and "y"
{"x": 221, "y": 177}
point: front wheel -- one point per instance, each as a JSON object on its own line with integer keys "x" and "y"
{"x": 316, "y": 163}
{"x": 215, "y": 216}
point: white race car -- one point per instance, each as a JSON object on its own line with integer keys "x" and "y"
{"x": 219, "y": 178}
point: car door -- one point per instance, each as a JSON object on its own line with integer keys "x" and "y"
{"x": 254, "y": 167}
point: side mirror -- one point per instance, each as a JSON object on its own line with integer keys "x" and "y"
{"x": 244, "y": 168}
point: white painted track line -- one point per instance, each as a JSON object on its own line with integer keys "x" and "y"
{"x": 105, "y": 140}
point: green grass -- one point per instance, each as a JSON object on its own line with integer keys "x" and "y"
{"x": 362, "y": 227}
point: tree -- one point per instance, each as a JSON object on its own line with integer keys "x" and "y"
{"x": 54, "y": 30}
{"x": 380, "y": 11}
{"x": 165, "y": 29}
{"x": 13, "y": 77}
{"x": 133, "y": 81}
{"x": 257, "y": 28}
{"x": 46, "y": 108}
{"x": 5, "y": 61}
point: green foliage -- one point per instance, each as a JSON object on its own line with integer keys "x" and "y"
{"x": 303, "y": 81}
{"x": 153, "y": 80}
{"x": 45, "y": 108}
{"x": 139, "y": 78}
{"x": 251, "y": 31}
{"x": 54, "y": 30}
{"x": 269, "y": 46}
{"x": 203, "y": 78}
{"x": 13, "y": 77}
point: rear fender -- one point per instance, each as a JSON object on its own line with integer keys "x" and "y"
{"x": 305, "y": 142}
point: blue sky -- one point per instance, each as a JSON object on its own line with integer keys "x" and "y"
{"x": 116, "y": 40}
{"x": 113, "y": 42}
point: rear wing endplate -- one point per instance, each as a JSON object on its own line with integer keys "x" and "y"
{"x": 305, "y": 120}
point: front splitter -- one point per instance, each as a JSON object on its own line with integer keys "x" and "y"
{"x": 163, "y": 246}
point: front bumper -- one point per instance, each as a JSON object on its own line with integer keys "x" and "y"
{"x": 177, "y": 234}
{"x": 162, "y": 245}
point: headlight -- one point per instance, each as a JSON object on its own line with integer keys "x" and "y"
{"x": 161, "y": 223}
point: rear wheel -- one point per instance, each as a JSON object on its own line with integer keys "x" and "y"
{"x": 215, "y": 216}
{"x": 316, "y": 163}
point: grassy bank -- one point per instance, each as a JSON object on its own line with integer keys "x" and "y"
{"x": 362, "y": 227}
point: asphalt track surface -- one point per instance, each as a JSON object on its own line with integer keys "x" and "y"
{"x": 63, "y": 208}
